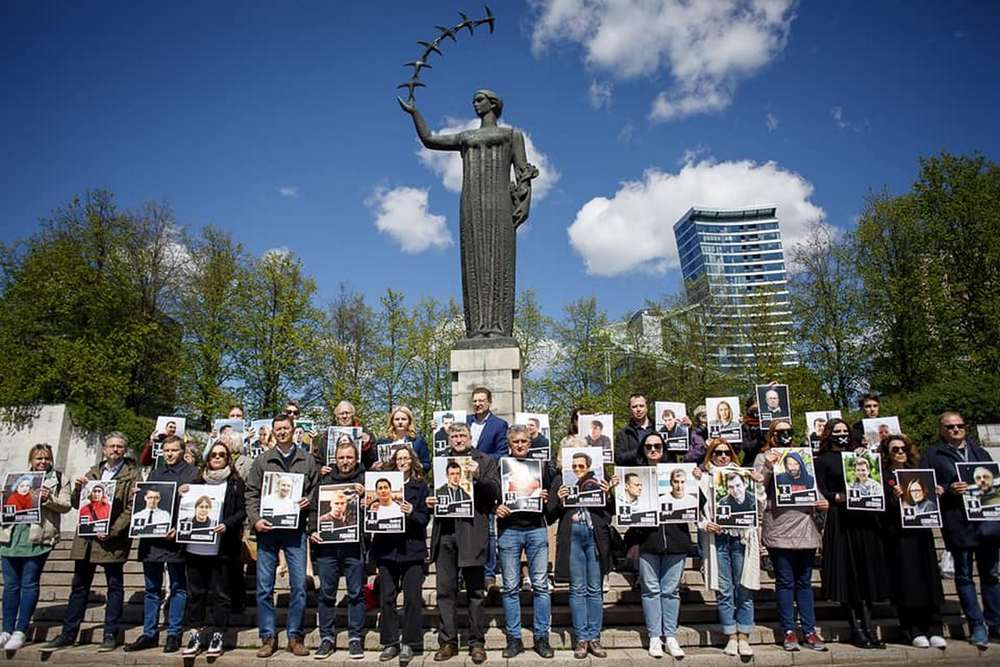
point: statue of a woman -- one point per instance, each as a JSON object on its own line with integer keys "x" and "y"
{"x": 491, "y": 209}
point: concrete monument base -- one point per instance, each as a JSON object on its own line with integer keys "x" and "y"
{"x": 496, "y": 368}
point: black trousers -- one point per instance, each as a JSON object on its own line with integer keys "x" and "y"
{"x": 208, "y": 581}
{"x": 408, "y": 576}
{"x": 76, "y": 606}
{"x": 915, "y": 621}
{"x": 447, "y": 594}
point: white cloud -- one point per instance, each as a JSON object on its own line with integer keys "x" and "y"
{"x": 772, "y": 122}
{"x": 290, "y": 191}
{"x": 600, "y": 93}
{"x": 448, "y": 164}
{"x": 402, "y": 214}
{"x": 705, "y": 47}
{"x": 633, "y": 230}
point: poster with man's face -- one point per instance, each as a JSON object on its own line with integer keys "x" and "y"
{"x": 280, "y": 494}
{"x": 678, "y": 491}
{"x": 338, "y": 434}
{"x": 152, "y": 509}
{"x": 96, "y": 502}
{"x": 734, "y": 493}
{"x": 724, "y": 418}
{"x": 521, "y": 484}
{"x": 165, "y": 428}
{"x": 22, "y": 502}
{"x": 863, "y": 480}
{"x": 537, "y": 423}
{"x": 598, "y": 431}
{"x": 878, "y": 429}
{"x": 918, "y": 506}
{"x": 794, "y": 478}
{"x": 338, "y": 514}
{"x": 816, "y": 422}
{"x": 636, "y": 499}
{"x": 668, "y": 424}
{"x": 199, "y": 514}
{"x": 982, "y": 495}
{"x": 772, "y": 403}
{"x": 442, "y": 419}
{"x": 383, "y": 493}
{"x": 582, "y": 474}
{"x": 454, "y": 487}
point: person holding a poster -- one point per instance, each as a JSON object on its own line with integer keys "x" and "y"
{"x": 967, "y": 541}
{"x": 400, "y": 561}
{"x": 402, "y": 429}
{"x": 284, "y": 457}
{"x": 488, "y": 434}
{"x": 915, "y": 578}
{"x": 673, "y": 432}
{"x": 152, "y": 519}
{"x": 461, "y": 544}
{"x": 24, "y": 548}
{"x": 331, "y": 561}
{"x": 628, "y": 441}
{"x": 524, "y": 533}
{"x": 110, "y": 550}
{"x": 22, "y": 497}
{"x": 854, "y": 569}
{"x": 791, "y": 536}
{"x": 165, "y": 553}
{"x": 583, "y": 552}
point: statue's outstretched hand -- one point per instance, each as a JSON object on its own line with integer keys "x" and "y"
{"x": 408, "y": 107}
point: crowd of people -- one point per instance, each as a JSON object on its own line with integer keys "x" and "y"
{"x": 865, "y": 557}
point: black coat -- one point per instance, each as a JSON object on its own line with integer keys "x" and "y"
{"x": 599, "y": 516}
{"x": 160, "y": 549}
{"x": 357, "y": 476}
{"x": 413, "y": 545}
{"x": 233, "y": 516}
{"x": 472, "y": 534}
{"x": 958, "y": 532}
{"x": 914, "y": 575}
{"x": 628, "y": 443}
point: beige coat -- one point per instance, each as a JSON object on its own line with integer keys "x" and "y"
{"x": 57, "y": 504}
{"x": 115, "y": 548}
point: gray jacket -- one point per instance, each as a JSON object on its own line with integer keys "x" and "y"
{"x": 785, "y": 527}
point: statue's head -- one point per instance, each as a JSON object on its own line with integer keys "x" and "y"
{"x": 485, "y": 100}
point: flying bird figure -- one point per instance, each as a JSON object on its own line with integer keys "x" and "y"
{"x": 429, "y": 48}
{"x": 411, "y": 85}
{"x": 466, "y": 23}
{"x": 417, "y": 65}
{"x": 446, "y": 32}
{"x": 489, "y": 19}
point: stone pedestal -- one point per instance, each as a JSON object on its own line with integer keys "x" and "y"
{"x": 496, "y": 368}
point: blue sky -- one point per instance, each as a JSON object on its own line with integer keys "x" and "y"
{"x": 277, "y": 122}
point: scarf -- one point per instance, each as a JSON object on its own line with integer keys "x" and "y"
{"x": 216, "y": 476}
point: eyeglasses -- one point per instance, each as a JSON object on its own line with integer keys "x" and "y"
{"x": 722, "y": 452}
{"x": 653, "y": 446}
{"x": 955, "y": 427}
{"x": 897, "y": 450}
{"x": 580, "y": 466}
{"x": 218, "y": 455}
{"x": 294, "y": 413}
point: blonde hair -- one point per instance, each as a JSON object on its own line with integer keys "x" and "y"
{"x": 411, "y": 429}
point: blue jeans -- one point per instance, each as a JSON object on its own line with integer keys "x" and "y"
{"x": 293, "y": 543}
{"x": 153, "y": 574}
{"x": 793, "y": 586}
{"x": 21, "y": 575}
{"x": 332, "y": 562}
{"x": 534, "y": 542}
{"x": 986, "y": 557}
{"x": 660, "y": 579}
{"x": 490, "y": 568}
{"x": 586, "y": 592}
{"x": 735, "y": 602}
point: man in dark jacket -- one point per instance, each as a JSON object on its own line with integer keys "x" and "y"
{"x": 284, "y": 457}
{"x": 333, "y": 560}
{"x": 488, "y": 434}
{"x": 966, "y": 540}
{"x": 870, "y": 404}
{"x": 158, "y": 553}
{"x": 461, "y": 544}
{"x": 628, "y": 447}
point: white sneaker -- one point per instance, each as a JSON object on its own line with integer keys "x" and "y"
{"x": 4, "y": 638}
{"x": 745, "y": 648}
{"x": 732, "y": 647}
{"x": 937, "y": 641}
{"x": 15, "y": 642}
{"x": 921, "y": 642}
{"x": 655, "y": 647}
{"x": 674, "y": 648}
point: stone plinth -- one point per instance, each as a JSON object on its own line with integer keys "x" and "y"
{"x": 496, "y": 368}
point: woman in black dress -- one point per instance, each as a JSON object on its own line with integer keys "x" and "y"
{"x": 915, "y": 579}
{"x": 854, "y": 569}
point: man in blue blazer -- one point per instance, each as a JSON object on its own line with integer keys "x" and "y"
{"x": 489, "y": 435}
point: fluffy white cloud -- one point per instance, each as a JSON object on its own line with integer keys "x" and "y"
{"x": 705, "y": 47}
{"x": 402, "y": 214}
{"x": 448, "y": 164}
{"x": 600, "y": 93}
{"x": 290, "y": 191}
{"x": 633, "y": 230}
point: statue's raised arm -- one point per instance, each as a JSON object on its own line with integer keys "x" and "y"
{"x": 435, "y": 142}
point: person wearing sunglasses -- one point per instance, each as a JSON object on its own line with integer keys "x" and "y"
{"x": 731, "y": 556}
{"x": 966, "y": 540}
{"x": 915, "y": 578}
{"x": 854, "y": 569}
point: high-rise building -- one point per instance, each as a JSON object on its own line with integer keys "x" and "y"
{"x": 733, "y": 266}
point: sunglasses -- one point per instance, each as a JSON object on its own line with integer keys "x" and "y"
{"x": 218, "y": 455}
{"x": 955, "y": 427}
{"x": 722, "y": 452}
{"x": 653, "y": 446}
{"x": 579, "y": 467}
{"x": 897, "y": 450}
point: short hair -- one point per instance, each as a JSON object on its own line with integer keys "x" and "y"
{"x": 870, "y": 396}
{"x": 447, "y": 415}
{"x": 459, "y": 426}
{"x": 383, "y": 479}
{"x": 483, "y": 390}
{"x": 349, "y": 444}
{"x": 115, "y": 434}
{"x": 946, "y": 414}
{"x": 534, "y": 420}
{"x": 494, "y": 100}
{"x": 293, "y": 403}
{"x": 237, "y": 406}
{"x": 584, "y": 456}
{"x": 679, "y": 472}
{"x": 348, "y": 404}
{"x": 730, "y": 476}
{"x": 452, "y": 465}
{"x": 597, "y": 423}
{"x": 670, "y": 412}
{"x": 172, "y": 439}
{"x": 203, "y": 499}
{"x": 516, "y": 428}
{"x": 629, "y": 475}
{"x": 983, "y": 468}
{"x": 153, "y": 489}
{"x": 642, "y": 396}
{"x": 171, "y": 422}
{"x": 283, "y": 417}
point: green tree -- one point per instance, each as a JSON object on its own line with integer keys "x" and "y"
{"x": 531, "y": 328}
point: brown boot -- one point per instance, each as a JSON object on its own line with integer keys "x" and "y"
{"x": 296, "y": 647}
{"x": 580, "y": 652}
{"x": 268, "y": 647}
{"x": 596, "y": 649}
{"x": 446, "y": 652}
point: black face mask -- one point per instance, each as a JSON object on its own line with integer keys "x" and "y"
{"x": 784, "y": 438}
{"x": 840, "y": 440}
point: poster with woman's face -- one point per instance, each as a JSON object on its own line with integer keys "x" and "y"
{"x": 521, "y": 484}
{"x": 598, "y": 431}
{"x": 338, "y": 514}
{"x": 537, "y": 423}
{"x": 863, "y": 481}
{"x": 668, "y": 424}
{"x": 454, "y": 487}
{"x": 383, "y": 493}
{"x": 678, "y": 491}
{"x": 982, "y": 493}
{"x": 772, "y": 403}
{"x": 22, "y": 502}
{"x": 96, "y": 501}
{"x": 918, "y": 506}
{"x": 279, "y": 498}
{"x": 794, "y": 478}
{"x": 724, "y": 418}
{"x": 582, "y": 474}
{"x": 636, "y": 499}
{"x": 199, "y": 513}
{"x": 734, "y": 493}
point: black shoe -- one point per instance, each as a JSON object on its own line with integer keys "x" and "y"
{"x": 61, "y": 641}
{"x": 515, "y": 647}
{"x": 478, "y": 654}
{"x": 388, "y": 653}
{"x": 405, "y": 655}
{"x": 109, "y": 644}
{"x": 543, "y": 649}
{"x": 173, "y": 644}
{"x": 327, "y": 647}
{"x": 354, "y": 650}
{"x": 141, "y": 644}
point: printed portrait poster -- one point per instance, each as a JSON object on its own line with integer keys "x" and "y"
{"x": 879, "y": 428}
{"x": 724, "y": 418}
{"x": 302, "y": 433}
{"x": 386, "y": 450}
{"x": 539, "y": 448}
{"x": 599, "y": 431}
{"x": 582, "y": 473}
{"x": 280, "y": 493}
{"x": 337, "y": 434}
{"x": 383, "y": 491}
{"x": 795, "y": 478}
{"x": 678, "y": 491}
{"x": 863, "y": 480}
{"x": 152, "y": 509}
{"x": 521, "y": 482}
{"x": 199, "y": 512}
{"x": 918, "y": 506}
{"x": 816, "y": 422}
{"x": 442, "y": 420}
{"x": 96, "y": 500}
{"x": 230, "y": 431}
{"x": 261, "y": 434}
{"x": 165, "y": 427}
{"x": 636, "y": 498}
{"x": 454, "y": 495}
{"x": 22, "y": 502}
{"x": 338, "y": 514}
{"x": 982, "y": 497}
{"x": 668, "y": 424}
{"x": 773, "y": 403}
{"x": 735, "y": 498}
